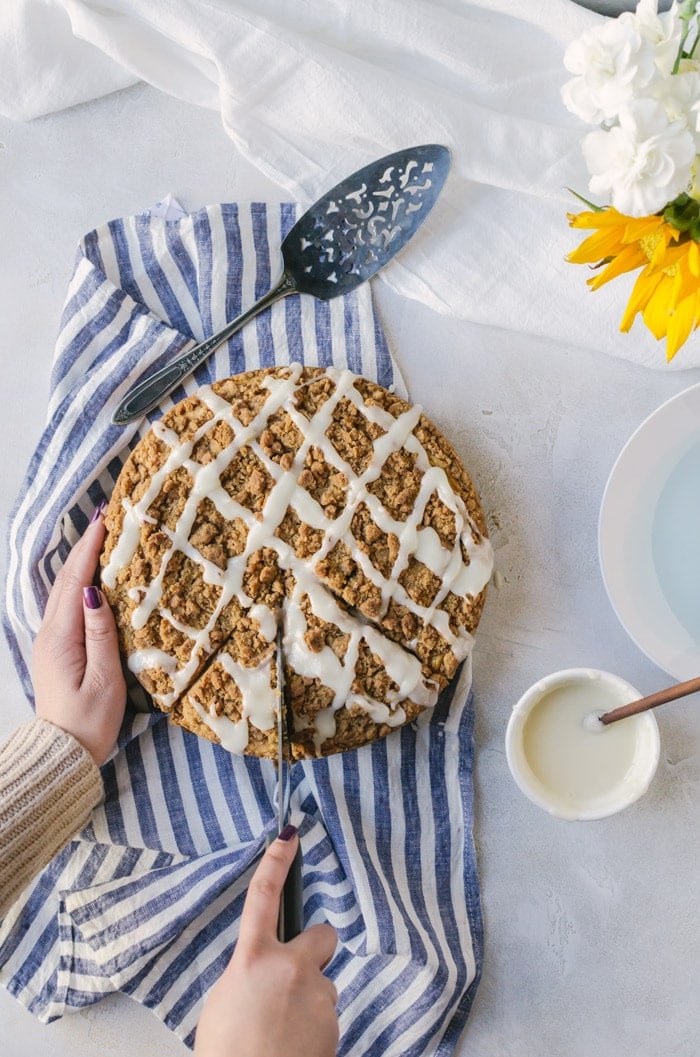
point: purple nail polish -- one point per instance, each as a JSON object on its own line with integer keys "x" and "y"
{"x": 92, "y": 597}
{"x": 97, "y": 512}
{"x": 288, "y": 832}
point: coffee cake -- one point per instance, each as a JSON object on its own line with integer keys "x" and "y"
{"x": 310, "y": 497}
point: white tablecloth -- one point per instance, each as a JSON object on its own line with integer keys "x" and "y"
{"x": 591, "y": 930}
{"x": 310, "y": 92}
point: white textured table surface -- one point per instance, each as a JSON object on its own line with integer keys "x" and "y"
{"x": 591, "y": 931}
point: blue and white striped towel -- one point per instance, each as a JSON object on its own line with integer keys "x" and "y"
{"x": 146, "y": 900}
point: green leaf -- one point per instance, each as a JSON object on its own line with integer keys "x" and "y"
{"x": 591, "y": 205}
{"x": 682, "y": 213}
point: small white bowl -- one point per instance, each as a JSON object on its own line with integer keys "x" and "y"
{"x": 607, "y": 692}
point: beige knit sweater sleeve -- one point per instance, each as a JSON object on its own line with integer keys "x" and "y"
{"x": 49, "y": 784}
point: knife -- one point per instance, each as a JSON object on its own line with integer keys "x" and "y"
{"x": 290, "y": 922}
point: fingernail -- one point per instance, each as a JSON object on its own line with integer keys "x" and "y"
{"x": 288, "y": 832}
{"x": 92, "y": 597}
{"x": 97, "y": 512}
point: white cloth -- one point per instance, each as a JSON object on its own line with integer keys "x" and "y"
{"x": 312, "y": 90}
{"x": 44, "y": 67}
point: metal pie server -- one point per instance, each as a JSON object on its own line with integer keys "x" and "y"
{"x": 290, "y": 922}
{"x": 342, "y": 240}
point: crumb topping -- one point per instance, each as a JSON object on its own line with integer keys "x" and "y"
{"x": 308, "y": 497}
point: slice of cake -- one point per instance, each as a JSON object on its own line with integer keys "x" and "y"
{"x": 311, "y": 498}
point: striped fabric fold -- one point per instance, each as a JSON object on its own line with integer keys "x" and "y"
{"x": 147, "y": 899}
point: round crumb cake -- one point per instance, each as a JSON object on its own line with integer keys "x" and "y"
{"x": 308, "y": 497}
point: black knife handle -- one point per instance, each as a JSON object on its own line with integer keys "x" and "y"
{"x": 291, "y": 916}
{"x": 291, "y": 920}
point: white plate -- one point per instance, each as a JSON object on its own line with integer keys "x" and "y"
{"x": 649, "y": 536}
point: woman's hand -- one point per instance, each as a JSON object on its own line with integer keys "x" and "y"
{"x": 272, "y": 998}
{"x": 77, "y": 672}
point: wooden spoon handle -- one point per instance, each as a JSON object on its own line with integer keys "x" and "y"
{"x": 671, "y": 693}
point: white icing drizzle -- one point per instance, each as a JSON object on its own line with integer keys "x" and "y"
{"x": 415, "y": 540}
{"x": 266, "y": 621}
{"x": 152, "y": 657}
{"x": 259, "y": 700}
{"x": 258, "y": 695}
{"x": 233, "y": 735}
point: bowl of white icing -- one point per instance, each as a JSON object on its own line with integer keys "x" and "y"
{"x": 569, "y": 763}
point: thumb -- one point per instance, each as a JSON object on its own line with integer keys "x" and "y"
{"x": 101, "y": 644}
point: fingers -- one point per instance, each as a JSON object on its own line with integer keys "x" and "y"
{"x": 65, "y": 604}
{"x": 262, "y": 904}
{"x": 103, "y": 665}
{"x": 318, "y": 943}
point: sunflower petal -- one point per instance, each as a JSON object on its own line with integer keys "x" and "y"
{"x": 694, "y": 259}
{"x": 608, "y": 218}
{"x": 643, "y": 227}
{"x": 655, "y": 313}
{"x": 680, "y": 324}
{"x": 596, "y": 248}
{"x": 626, "y": 261}
{"x": 668, "y": 258}
{"x": 642, "y": 292}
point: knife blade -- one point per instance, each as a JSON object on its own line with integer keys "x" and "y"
{"x": 290, "y": 922}
{"x": 282, "y": 739}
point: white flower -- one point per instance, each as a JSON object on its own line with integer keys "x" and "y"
{"x": 643, "y": 163}
{"x": 662, "y": 31}
{"x": 680, "y": 97}
{"x": 613, "y": 63}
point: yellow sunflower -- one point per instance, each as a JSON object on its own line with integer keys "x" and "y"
{"x": 667, "y": 290}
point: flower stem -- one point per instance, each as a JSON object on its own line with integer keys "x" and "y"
{"x": 687, "y": 13}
